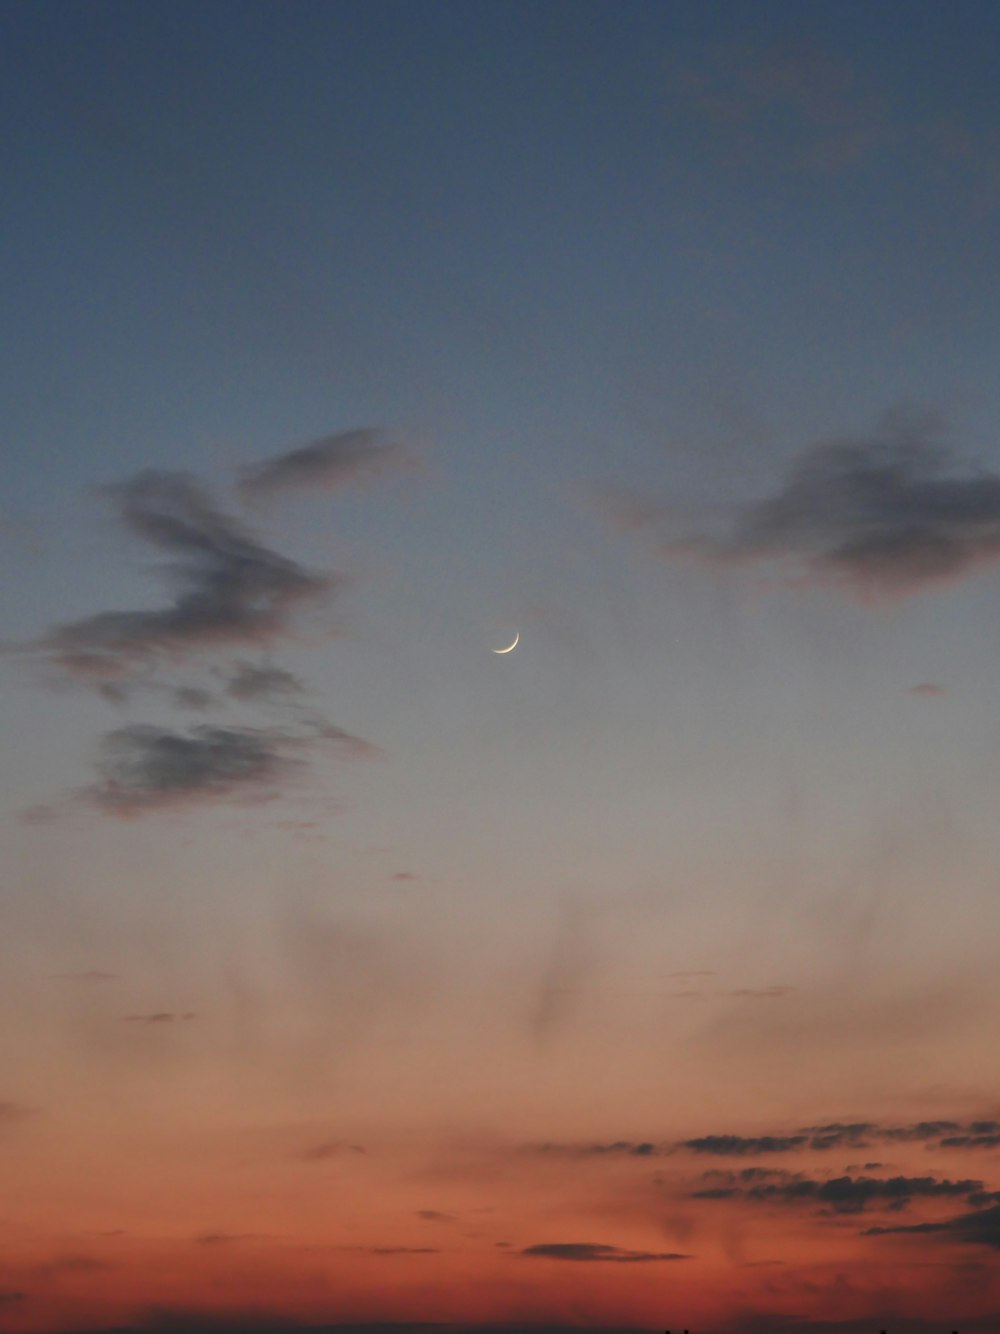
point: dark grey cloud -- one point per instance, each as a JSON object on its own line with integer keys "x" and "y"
{"x": 594, "y": 1252}
{"x": 881, "y": 516}
{"x": 253, "y": 681}
{"x": 975, "y": 1229}
{"x": 733, "y": 1145}
{"x": 847, "y": 1135}
{"x": 329, "y": 463}
{"x": 144, "y": 768}
{"x": 619, "y": 1147}
{"x": 228, "y": 588}
{"x": 844, "y": 1194}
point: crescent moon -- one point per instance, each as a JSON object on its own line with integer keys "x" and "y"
{"x": 510, "y": 647}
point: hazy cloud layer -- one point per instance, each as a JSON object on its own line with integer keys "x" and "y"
{"x": 794, "y": 96}
{"x": 329, "y": 463}
{"x": 881, "y": 516}
{"x": 228, "y": 588}
{"x": 594, "y": 1252}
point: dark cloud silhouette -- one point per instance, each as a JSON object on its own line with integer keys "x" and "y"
{"x": 732, "y": 1145}
{"x": 882, "y": 516}
{"x": 975, "y": 1229}
{"x": 229, "y": 588}
{"x": 623, "y": 1147}
{"x": 594, "y": 1252}
{"x": 329, "y": 463}
{"x": 252, "y": 681}
{"x": 844, "y": 1194}
{"x": 846, "y": 1135}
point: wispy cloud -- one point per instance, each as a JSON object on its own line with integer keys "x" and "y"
{"x": 329, "y": 463}
{"x": 229, "y": 588}
{"x": 796, "y": 98}
{"x": 881, "y": 516}
{"x": 253, "y": 681}
{"x": 159, "y": 1017}
{"x": 588, "y": 1252}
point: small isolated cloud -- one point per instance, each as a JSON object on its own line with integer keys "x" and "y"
{"x": 928, "y": 688}
{"x": 329, "y": 463}
{"x": 331, "y": 1148}
{"x": 760, "y": 993}
{"x": 436, "y": 1216}
{"x": 13, "y": 1112}
{"x": 90, "y": 975}
{"x": 593, "y": 1252}
{"x": 227, "y": 1238}
{"x": 882, "y": 517}
{"x": 403, "y": 1250}
{"x": 404, "y": 875}
{"x": 228, "y": 588}
{"x": 159, "y": 1017}
{"x": 251, "y": 681}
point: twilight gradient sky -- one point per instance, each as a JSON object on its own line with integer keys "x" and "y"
{"x": 645, "y": 976}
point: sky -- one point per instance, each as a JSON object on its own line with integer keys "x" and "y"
{"x": 352, "y": 971}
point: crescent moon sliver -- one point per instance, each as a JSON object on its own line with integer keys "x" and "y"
{"x": 510, "y": 647}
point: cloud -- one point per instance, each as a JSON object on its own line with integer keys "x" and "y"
{"x": 144, "y": 768}
{"x": 248, "y": 681}
{"x": 840, "y": 1134}
{"x": 158, "y": 1017}
{"x": 844, "y": 1194}
{"x": 436, "y": 1216}
{"x": 594, "y": 1252}
{"x": 229, "y": 589}
{"x": 793, "y": 99}
{"x": 732, "y": 1145}
{"x": 329, "y": 463}
{"x": 976, "y": 1229}
{"x": 927, "y": 688}
{"x": 90, "y": 975}
{"x": 332, "y": 1148}
{"x": 11, "y": 1113}
{"x": 881, "y": 517}
{"x": 618, "y": 1147}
